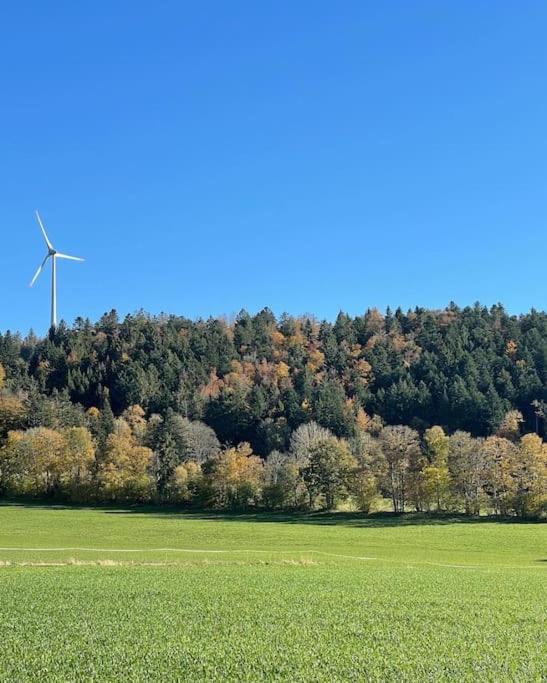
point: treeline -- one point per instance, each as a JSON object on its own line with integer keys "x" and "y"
{"x": 177, "y": 461}
{"x": 164, "y": 408}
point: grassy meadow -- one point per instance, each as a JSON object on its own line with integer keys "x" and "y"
{"x": 141, "y": 594}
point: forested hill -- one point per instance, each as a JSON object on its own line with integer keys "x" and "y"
{"x": 258, "y": 378}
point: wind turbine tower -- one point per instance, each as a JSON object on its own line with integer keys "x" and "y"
{"x": 53, "y": 255}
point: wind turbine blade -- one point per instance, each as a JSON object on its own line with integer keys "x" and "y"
{"x": 70, "y": 258}
{"x": 48, "y": 243}
{"x": 38, "y": 271}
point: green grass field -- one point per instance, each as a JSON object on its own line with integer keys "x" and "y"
{"x": 134, "y": 595}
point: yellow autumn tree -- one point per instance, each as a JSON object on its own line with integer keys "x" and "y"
{"x": 316, "y": 360}
{"x": 362, "y": 420}
{"x": 45, "y": 462}
{"x": 32, "y": 461}
{"x": 499, "y": 454}
{"x": 135, "y": 418}
{"x": 510, "y": 425}
{"x": 236, "y": 478}
{"x": 77, "y": 461}
{"x": 436, "y": 478}
{"x": 10, "y": 464}
{"x": 529, "y": 471}
{"x": 282, "y": 370}
{"x": 12, "y": 414}
{"x": 186, "y": 482}
{"x": 124, "y": 471}
{"x": 364, "y": 487}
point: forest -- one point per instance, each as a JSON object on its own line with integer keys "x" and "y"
{"x": 434, "y": 410}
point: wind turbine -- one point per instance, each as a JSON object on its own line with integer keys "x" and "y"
{"x": 53, "y": 255}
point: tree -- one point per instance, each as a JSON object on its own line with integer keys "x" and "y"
{"x": 436, "y": 475}
{"x": 124, "y": 472}
{"x": 370, "y": 469}
{"x": 272, "y": 434}
{"x": 400, "y": 446}
{"x": 32, "y": 461}
{"x": 101, "y": 423}
{"x": 77, "y": 462}
{"x": 364, "y": 488}
{"x": 11, "y": 457}
{"x": 176, "y": 440}
{"x": 235, "y": 478}
{"x": 510, "y": 425}
{"x": 230, "y": 414}
{"x": 305, "y": 438}
{"x": 12, "y": 414}
{"x": 243, "y": 332}
{"x": 529, "y": 472}
{"x": 331, "y": 409}
{"x": 135, "y": 418}
{"x": 168, "y": 456}
{"x": 540, "y": 413}
{"x": 201, "y": 441}
{"x": 45, "y": 462}
{"x": 467, "y": 470}
{"x": 329, "y": 470}
{"x": 499, "y": 454}
{"x": 282, "y": 482}
{"x": 417, "y": 492}
{"x": 186, "y": 483}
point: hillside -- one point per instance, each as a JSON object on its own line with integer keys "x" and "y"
{"x": 259, "y": 378}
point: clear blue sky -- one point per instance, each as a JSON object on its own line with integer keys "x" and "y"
{"x": 307, "y": 156}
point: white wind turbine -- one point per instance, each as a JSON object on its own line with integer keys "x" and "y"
{"x": 53, "y": 255}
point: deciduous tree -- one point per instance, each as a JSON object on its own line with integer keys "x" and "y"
{"x": 400, "y": 446}
{"x": 467, "y": 469}
{"x": 435, "y": 473}
{"x": 329, "y": 470}
{"x": 236, "y": 478}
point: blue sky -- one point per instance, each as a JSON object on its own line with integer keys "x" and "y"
{"x": 306, "y": 156}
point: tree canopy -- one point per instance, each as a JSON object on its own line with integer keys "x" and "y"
{"x": 257, "y": 379}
